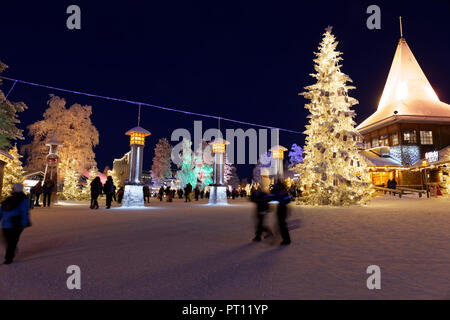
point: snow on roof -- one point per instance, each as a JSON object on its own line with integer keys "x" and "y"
{"x": 407, "y": 94}
{"x": 138, "y": 130}
{"x": 54, "y": 141}
{"x": 375, "y": 160}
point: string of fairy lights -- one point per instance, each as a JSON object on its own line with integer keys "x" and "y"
{"x": 137, "y": 103}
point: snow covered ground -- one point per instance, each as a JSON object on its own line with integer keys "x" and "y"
{"x": 195, "y": 251}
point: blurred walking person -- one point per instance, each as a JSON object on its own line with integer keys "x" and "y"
{"x": 15, "y": 217}
{"x": 96, "y": 190}
{"x": 262, "y": 209}
{"x": 279, "y": 193}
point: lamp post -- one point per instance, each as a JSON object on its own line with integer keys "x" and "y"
{"x": 133, "y": 194}
{"x": 278, "y": 156}
{"x": 218, "y": 191}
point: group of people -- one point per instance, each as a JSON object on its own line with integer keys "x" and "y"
{"x": 108, "y": 189}
{"x": 280, "y": 194}
{"x": 391, "y": 184}
{"x": 39, "y": 189}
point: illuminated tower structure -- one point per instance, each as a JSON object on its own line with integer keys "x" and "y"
{"x": 278, "y": 156}
{"x": 218, "y": 191}
{"x": 133, "y": 195}
{"x": 409, "y": 124}
{"x": 52, "y": 165}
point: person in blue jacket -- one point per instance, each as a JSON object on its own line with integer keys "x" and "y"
{"x": 14, "y": 216}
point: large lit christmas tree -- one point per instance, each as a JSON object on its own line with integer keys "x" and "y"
{"x": 71, "y": 189}
{"x": 13, "y": 172}
{"x": 333, "y": 171}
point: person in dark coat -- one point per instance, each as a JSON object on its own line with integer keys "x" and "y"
{"x": 393, "y": 184}
{"x": 47, "y": 190}
{"x": 161, "y": 193}
{"x": 96, "y": 191}
{"x": 120, "y": 193}
{"x": 180, "y": 193}
{"x": 279, "y": 193}
{"x": 196, "y": 193}
{"x": 37, "y": 191}
{"x": 15, "y": 217}
{"x": 109, "y": 189}
{"x": 187, "y": 192}
{"x": 262, "y": 208}
{"x": 146, "y": 191}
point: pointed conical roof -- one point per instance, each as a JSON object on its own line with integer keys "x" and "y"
{"x": 407, "y": 94}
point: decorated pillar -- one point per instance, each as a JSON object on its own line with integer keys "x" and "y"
{"x": 133, "y": 194}
{"x": 278, "y": 156}
{"x": 52, "y": 165}
{"x": 218, "y": 191}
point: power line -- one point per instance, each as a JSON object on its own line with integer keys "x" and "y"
{"x": 144, "y": 104}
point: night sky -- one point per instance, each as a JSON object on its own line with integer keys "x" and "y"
{"x": 245, "y": 60}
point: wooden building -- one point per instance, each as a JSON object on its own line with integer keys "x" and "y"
{"x": 410, "y": 122}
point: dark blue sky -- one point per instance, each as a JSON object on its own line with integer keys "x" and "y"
{"x": 245, "y": 60}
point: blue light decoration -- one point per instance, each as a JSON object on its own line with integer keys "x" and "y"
{"x": 406, "y": 155}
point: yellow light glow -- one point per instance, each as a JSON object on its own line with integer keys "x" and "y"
{"x": 218, "y": 147}
{"x": 431, "y": 93}
{"x": 278, "y": 154}
{"x": 137, "y": 138}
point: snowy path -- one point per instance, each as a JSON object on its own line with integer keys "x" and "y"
{"x": 194, "y": 251}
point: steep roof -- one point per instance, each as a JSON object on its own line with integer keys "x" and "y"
{"x": 407, "y": 94}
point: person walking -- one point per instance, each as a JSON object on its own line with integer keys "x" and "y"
{"x": 280, "y": 194}
{"x": 262, "y": 208}
{"x": 196, "y": 193}
{"x": 38, "y": 191}
{"x": 120, "y": 193}
{"x": 15, "y": 217}
{"x": 108, "y": 189}
{"x": 180, "y": 193}
{"x": 96, "y": 190}
{"x": 187, "y": 192}
{"x": 146, "y": 191}
{"x": 47, "y": 189}
{"x": 161, "y": 193}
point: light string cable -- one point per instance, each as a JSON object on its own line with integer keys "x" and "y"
{"x": 144, "y": 104}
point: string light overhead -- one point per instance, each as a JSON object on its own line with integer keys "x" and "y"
{"x": 146, "y": 104}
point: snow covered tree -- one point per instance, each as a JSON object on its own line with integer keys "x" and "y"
{"x": 71, "y": 188}
{"x": 203, "y": 165}
{"x": 295, "y": 155}
{"x": 13, "y": 172}
{"x": 73, "y": 127}
{"x": 230, "y": 177}
{"x": 332, "y": 168}
{"x": 162, "y": 160}
{"x": 121, "y": 168}
{"x": 8, "y": 117}
{"x": 264, "y": 161}
{"x": 186, "y": 173}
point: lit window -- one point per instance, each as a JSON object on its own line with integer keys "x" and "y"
{"x": 384, "y": 141}
{"x": 374, "y": 142}
{"x": 394, "y": 139}
{"x": 426, "y": 137}
{"x": 410, "y": 137}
